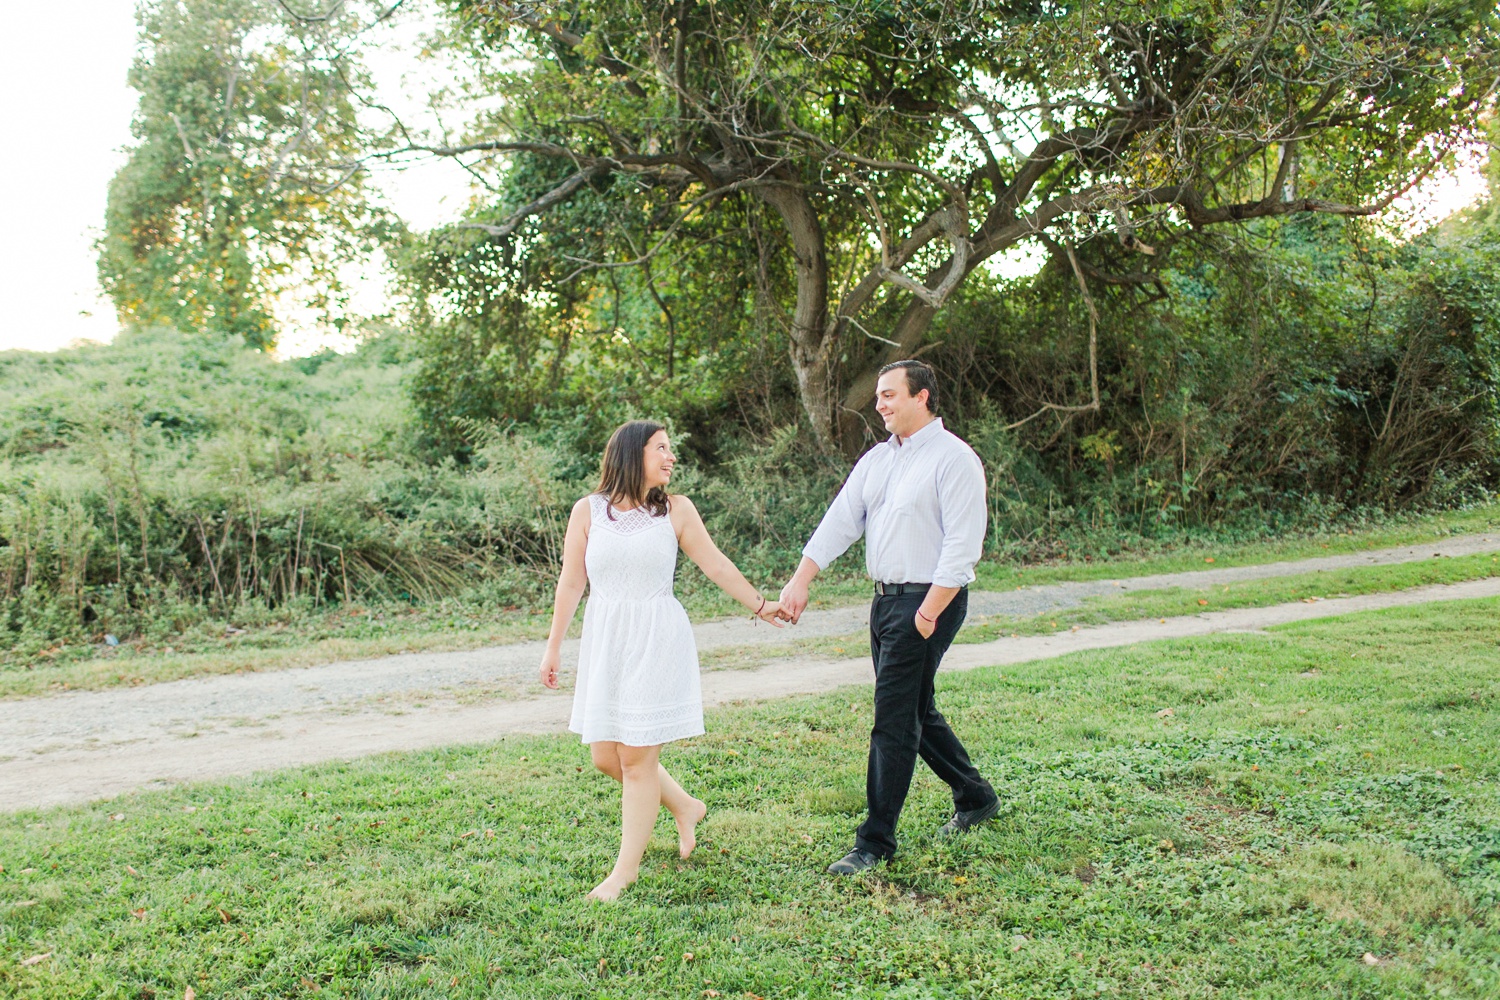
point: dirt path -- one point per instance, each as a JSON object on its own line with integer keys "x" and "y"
{"x": 84, "y": 745}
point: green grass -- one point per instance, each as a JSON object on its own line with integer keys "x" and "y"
{"x": 1174, "y": 601}
{"x": 353, "y": 633}
{"x": 361, "y": 632}
{"x": 328, "y": 636}
{"x": 995, "y": 575}
{"x": 1315, "y": 796}
{"x": 1158, "y": 603}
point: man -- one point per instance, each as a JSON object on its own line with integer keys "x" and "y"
{"x": 918, "y": 499}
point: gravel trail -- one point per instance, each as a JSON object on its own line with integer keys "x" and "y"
{"x": 84, "y": 745}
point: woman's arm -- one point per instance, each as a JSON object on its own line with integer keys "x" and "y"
{"x": 570, "y": 585}
{"x": 693, "y": 537}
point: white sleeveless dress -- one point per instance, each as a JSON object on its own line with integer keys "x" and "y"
{"x": 638, "y": 664}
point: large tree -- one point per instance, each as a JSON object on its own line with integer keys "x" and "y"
{"x": 243, "y": 181}
{"x": 894, "y": 147}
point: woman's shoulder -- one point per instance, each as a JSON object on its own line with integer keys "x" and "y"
{"x": 680, "y": 502}
{"x": 586, "y": 503}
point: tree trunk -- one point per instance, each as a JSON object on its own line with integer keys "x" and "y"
{"x": 813, "y": 344}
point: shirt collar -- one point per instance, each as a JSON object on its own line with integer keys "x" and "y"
{"x": 930, "y": 432}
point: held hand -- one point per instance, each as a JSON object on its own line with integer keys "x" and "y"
{"x": 773, "y": 613}
{"x": 925, "y": 627}
{"x": 551, "y": 659}
{"x": 793, "y": 600}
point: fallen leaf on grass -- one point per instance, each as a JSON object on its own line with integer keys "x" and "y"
{"x": 116, "y": 817}
{"x": 309, "y": 984}
{"x": 1209, "y": 559}
{"x": 139, "y": 914}
{"x": 1202, "y": 602}
{"x": 1164, "y": 713}
{"x": 37, "y": 959}
{"x": 1371, "y": 959}
{"x": 25, "y": 902}
{"x": 132, "y": 871}
{"x": 224, "y": 915}
{"x": 189, "y": 994}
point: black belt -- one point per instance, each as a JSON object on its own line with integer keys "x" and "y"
{"x": 897, "y": 589}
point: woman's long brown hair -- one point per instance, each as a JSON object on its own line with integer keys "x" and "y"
{"x": 622, "y": 474}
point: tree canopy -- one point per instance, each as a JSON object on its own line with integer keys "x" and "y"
{"x": 693, "y": 198}
{"x": 866, "y": 157}
{"x": 244, "y": 180}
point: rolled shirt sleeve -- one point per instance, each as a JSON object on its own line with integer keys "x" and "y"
{"x": 965, "y": 515}
{"x": 843, "y": 522}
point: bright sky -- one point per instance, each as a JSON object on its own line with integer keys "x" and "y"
{"x": 67, "y": 134}
{"x": 66, "y": 115}
{"x": 69, "y": 128}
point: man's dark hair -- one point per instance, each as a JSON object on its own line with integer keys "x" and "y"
{"x": 919, "y": 376}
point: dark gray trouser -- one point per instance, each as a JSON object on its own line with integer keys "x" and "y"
{"x": 907, "y": 722}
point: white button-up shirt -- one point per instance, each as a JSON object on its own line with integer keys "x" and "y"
{"x": 920, "y": 504}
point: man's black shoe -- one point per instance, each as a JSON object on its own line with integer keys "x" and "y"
{"x": 962, "y": 821}
{"x": 854, "y": 862}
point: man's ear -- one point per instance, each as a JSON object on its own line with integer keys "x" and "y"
{"x": 923, "y": 396}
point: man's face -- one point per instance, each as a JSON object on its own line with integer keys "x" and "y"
{"x": 903, "y": 413}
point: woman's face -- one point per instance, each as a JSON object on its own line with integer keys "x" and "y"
{"x": 658, "y": 461}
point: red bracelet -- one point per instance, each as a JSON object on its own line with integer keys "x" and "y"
{"x": 930, "y": 621}
{"x": 762, "y": 605}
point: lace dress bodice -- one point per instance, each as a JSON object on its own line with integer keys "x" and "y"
{"x": 631, "y": 556}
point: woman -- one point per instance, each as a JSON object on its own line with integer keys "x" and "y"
{"x": 638, "y": 665}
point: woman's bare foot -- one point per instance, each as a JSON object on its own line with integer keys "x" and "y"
{"x": 610, "y": 888}
{"x": 687, "y": 828}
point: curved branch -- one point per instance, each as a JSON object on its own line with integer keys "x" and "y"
{"x": 556, "y": 196}
{"x": 1092, "y": 406}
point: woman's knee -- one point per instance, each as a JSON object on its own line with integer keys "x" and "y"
{"x": 638, "y": 762}
{"x": 606, "y": 757}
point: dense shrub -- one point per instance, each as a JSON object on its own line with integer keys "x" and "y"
{"x": 178, "y": 478}
{"x": 1314, "y": 371}
{"x": 1313, "y": 374}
